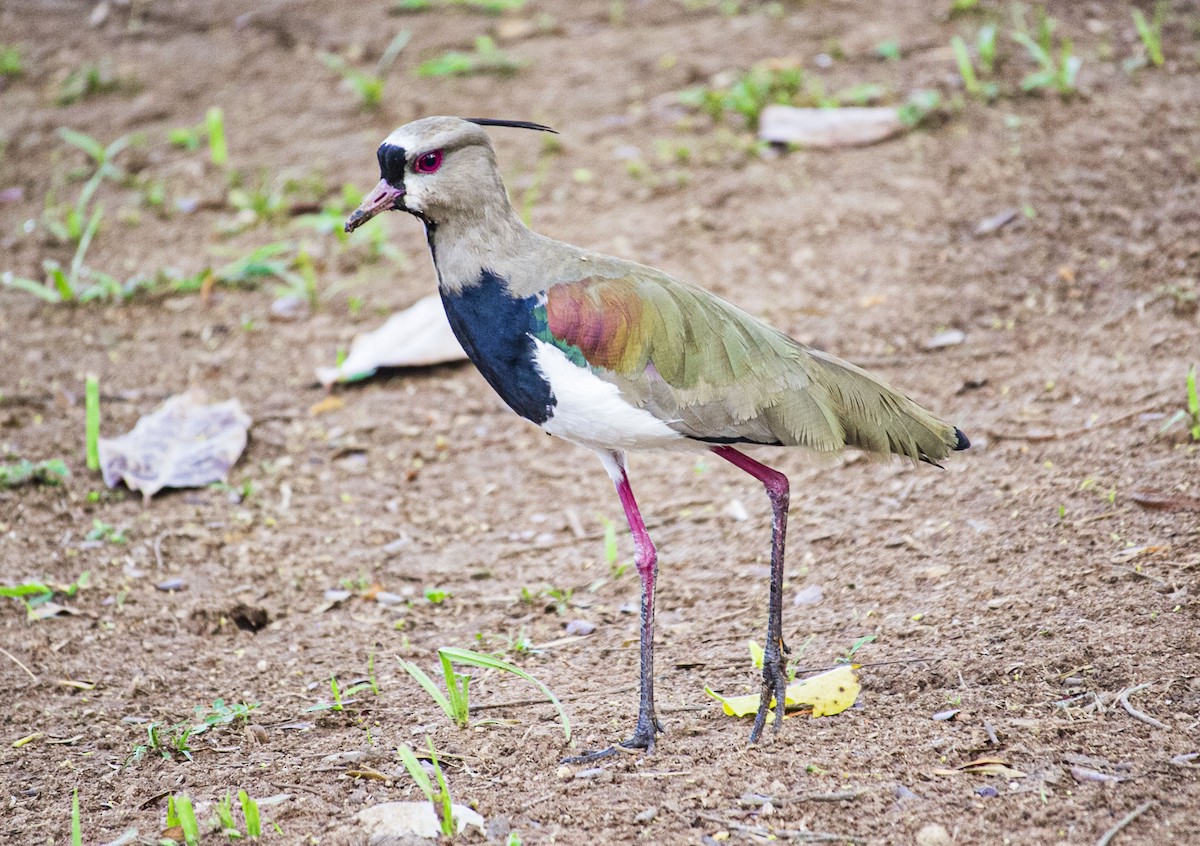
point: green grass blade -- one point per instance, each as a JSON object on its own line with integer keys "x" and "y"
{"x": 459, "y": 703}
{"x": 214, "y": 122}
{"x": 416, "y": 771}
{"x": 447, "y": 814}
{"x": 393, "y": 50}
{"x": 965, "y": 69}
{"x": 187, "y": 819}
{"x": 92, "y": 404}
{"x": 61, "y": 285}
{"x": 85, "y": 241}
{"x": 30, "y": 286}
{"x": 87, "y": 143}
{"x": 26, "y": 589}
{"x": 430, "y": 688}
{"x": 76, "y": 827}
{"x": 250, "y": 812}
{"x": 488, "y": 662}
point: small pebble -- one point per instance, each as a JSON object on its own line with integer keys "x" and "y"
{"x": 171, "y": 585}
{"x": 290, "y": 307}
{"x": 809, "y": 595}
{"x": 646, "y": 816}
{"x": 580, "y": 627}
{"x": 498, "y": 828}
{"x": 564, "y": 773}
{"x": 933, "y": 834}
{"x": 987, "y": 791}
{"x": 941, "y": 716}
{"x": 600, "y": 774}
{"x": 257, "y": 735}
{"x": 949, "y": 338}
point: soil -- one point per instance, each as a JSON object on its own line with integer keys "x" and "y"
{"x": 1053, "y": 566}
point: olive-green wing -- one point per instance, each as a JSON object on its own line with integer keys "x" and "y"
{"x": 714, "y": 373}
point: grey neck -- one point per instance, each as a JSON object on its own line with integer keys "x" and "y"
{"x": 465, "y": 244}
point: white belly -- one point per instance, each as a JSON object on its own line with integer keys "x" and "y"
{"x": 591, "y": 412}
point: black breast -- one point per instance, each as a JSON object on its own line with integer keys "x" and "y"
{"x": 495, "y": 329}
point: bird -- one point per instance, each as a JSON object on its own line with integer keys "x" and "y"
{"x": 618, "y": 357}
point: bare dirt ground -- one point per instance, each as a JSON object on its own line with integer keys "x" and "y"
{"x": 1022, "y": 585}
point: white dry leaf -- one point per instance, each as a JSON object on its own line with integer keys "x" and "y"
{"x": 851, "y": 126}
{"x": 184, "y": 444}
{"x": 416, "y": 337}
{"x": 393, "y": 821}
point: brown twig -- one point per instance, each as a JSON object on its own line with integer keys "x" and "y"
{"x": 17, "y": 661}
{"x": 799, "y": 836}
{"x": 1134, "y": 712}
{"x": 1124, "y": 821}
{"x": 523, "y": 703}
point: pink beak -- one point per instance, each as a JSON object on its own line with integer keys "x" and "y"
{"x": 383, "y": 196}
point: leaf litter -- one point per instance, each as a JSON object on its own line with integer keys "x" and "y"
{"x": 419, "y": 336}
{"x": 186, "y": 443}
{"x": 825, "y": 694}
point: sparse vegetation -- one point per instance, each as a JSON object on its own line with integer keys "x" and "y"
{"x": 1189, "y": 416}
{"x": 53, "y": 471}
{"x": 440, "y": 798}
{"x": 986, "y": 49}
{"x": 175, "y": 739}
{"x": 1058, "y": 68}
{"x": 1150, "y": 32}
{"x": 88, "y": 80}
{"x": 182, "y": 815}
{"x": 456, "y": 704}
{"x": 368, "y": 85}
{"x": 858, "y": 644}
{"x": 10, "y": 61}
{"x": 34, "y": 594}
{"x": 487, "y": 58}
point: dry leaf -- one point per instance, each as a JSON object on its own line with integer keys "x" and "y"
{"x": 826, "y": 693}
{"x": 326, "y": 405}
{"x": 416, "y": 337}
{"x": 983, "y": 766}
{"x": 1164, "y": 501}
{"x": 184, "y": 444}
{"x": 851, "y": 126}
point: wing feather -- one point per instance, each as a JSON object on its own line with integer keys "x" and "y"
{"x": 715, "y": 373}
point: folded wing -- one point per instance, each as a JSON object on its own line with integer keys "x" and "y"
{"x": 714, "y": 373}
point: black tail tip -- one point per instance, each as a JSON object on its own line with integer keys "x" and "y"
{"x": 962, "y": 442}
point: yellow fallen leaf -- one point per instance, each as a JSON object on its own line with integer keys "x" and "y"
{"x": 826, "y": 693}
{"x": 328, "y": 404}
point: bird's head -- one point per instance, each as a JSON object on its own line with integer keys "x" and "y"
{"x": 435, "y": 167}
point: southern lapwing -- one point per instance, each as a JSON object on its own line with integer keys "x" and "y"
{"x": 616, "y": 356}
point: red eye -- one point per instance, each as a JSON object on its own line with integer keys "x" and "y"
{"x": 428, "y": 162}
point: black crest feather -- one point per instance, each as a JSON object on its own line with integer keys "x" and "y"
{"x": 515, "y": 124}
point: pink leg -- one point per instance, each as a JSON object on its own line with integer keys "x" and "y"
{"x": 646, "y": 559}
{"x": 774, "y": 663}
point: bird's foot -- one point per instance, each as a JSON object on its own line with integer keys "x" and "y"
{"x": 642, "y": 740}
{"x": 774, "y": 689}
